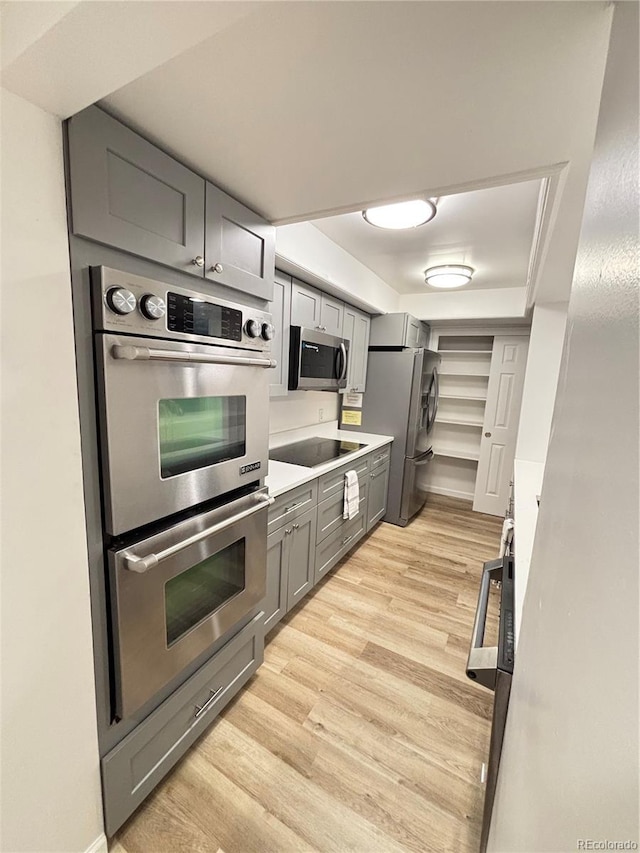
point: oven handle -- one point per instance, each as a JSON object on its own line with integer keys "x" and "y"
{"x": 143, "y": 564}
{"x": 131, "y": 353}
{"x": 482, "y": 662}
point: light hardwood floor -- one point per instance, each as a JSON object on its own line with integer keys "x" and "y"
{"x": 360, "y": 732}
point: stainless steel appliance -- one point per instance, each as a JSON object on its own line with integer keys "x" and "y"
{"x": 317, "y": 361}
{"x": 176, "y": 592}
{"x": 493, "y": 668}
{"x": 313, "y": 451}
{"x": 402, "y": 400}
{"x": 183, "y": 396}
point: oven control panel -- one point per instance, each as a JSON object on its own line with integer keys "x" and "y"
{"x": 123, "y": 302}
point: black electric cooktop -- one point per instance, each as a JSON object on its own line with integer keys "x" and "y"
{"x": 313, "y": 451}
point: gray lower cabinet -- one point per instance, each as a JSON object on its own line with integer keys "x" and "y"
{"x": 280, "y": 311}
{"x": 337, "y": 544}
{"x": 290, "y": 566}
{"x": 377, "y": 494}
{"x": 135, "y": 766}
{"x": 356, "y": 329}
{"x": 240, "y": 246}
{"x": 127, "y": 193}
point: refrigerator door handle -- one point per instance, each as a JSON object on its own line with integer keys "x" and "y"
{"x": 424, "y": 459}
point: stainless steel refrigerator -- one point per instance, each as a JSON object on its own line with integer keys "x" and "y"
{"x": 402, "y": 400}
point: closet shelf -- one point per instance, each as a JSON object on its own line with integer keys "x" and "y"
{"x": 470, "y": 455}
{"x": 459, "y": 422}
{"x": 464, "y": 351}
{"x": 462, "y": 397}
{"x": 460, "y": 373}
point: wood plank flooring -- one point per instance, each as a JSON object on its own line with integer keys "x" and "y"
{"x": 360, "y": 732}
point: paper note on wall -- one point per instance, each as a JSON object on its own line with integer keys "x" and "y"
{"x": 351, "y": 418}
{"x": 353, "y": 399}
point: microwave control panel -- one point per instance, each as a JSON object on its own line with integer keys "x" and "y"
{"x": 132, "y": 304}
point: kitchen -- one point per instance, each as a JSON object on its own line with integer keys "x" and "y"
{"x": 304, "y": 248}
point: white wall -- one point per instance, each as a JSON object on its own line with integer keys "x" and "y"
{"x": 541, "y": 381}
{"x": 570, "y": 763}
{"x": 313, "y": 252}
{"x": 50, "y": 797}
{"x": 490, "y": 304}
{"x": 302, "y": 408}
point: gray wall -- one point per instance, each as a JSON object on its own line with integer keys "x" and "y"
{"x": 570, "y": 760}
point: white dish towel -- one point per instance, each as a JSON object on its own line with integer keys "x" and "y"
{"x": 351, "y": 495}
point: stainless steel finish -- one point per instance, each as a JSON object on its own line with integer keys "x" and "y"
{"x": 414, "y": 493}
{"x": 253, "y": 328}
{"x": 217, "y": 268}
{"x": 300, "y": 335}
{"x": 343, "y": 372}
{"x": 424, "y": 460}
{"x": 202, "y": 709}
{"x": 144, "y": 663}
{"x": 143, "y": 564}
{"x": 482, "y": 661}
{"x": 128, "y": 352}
{"x": 502, "y": 692}
{"x": 153, "y": 307}
{"x": 268, "y": 331}
{"x": 134, "y": 323}
{"x": 120, "y": 300}
{"x": 132, "y": 374}
{"x": 198, "y": 261}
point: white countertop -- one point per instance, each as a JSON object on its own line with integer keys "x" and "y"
{"x": 527, "y": 486}
{"x": 282, "y": 476}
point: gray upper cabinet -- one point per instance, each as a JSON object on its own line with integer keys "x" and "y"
{"x": 356, "y": 329}
{"x": 306, "y": 303}
{"x": 281, "y": 312}
{"x": 127, "y": 193}
{"x": 331, "y": 315}
{"x": 398, "y": 330}
{"x": 239, "y": 245}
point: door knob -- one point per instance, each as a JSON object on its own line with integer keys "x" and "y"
{"x": 487, "y": 435}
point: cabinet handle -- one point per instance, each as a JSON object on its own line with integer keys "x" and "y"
{"x": 296, "y": 527}
{"x": 198, "y": 261}
{"x": 217, "y": 268}
{"x": 380, "y": 458}
{"x": 377, "y": 474}
{"x": 287, "y": 532}
{"x": 202, "y": 709}
{"x": 348, "y": 539}
{"x": 291, "y": 508}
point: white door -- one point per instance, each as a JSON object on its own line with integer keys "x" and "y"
{"x": 500, "y": 428}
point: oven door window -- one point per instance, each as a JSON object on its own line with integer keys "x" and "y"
{"x": 318, "y": 361}
{"x": 198, "y": 592}
{"x": 195, "y": 432}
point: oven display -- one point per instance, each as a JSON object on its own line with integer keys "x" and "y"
{"x": 196, "y": 317}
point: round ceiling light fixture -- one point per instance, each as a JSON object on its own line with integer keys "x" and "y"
{"x": 448, "y": 275}
{"x": 403, "y": 214}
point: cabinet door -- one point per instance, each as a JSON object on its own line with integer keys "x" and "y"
{"x": 280, "y": 310}
{"x": 302, "y": 551}
{"x": 356, "y": 329}
{"x": 275, "y": 600}
{"x": 413, "y": 332}
{"x": 331, "y": 315}
{"x": 377, "y": 504}
{"x": 240, "y": 247}
{"x": 500, "y": 428}
{"x": 305, "y": 305}
{"x": 127, "y": 193}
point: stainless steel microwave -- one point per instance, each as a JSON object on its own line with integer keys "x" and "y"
{"x": 317, "y": 361}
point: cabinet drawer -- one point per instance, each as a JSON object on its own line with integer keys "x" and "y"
{"x": 330, "y": 512}
{"x": 333, "y": 481}
{"x": 380, "y": 456}
{"x": 292, "y": 504}
{"x": 340, "y": 542}
{"x": 135, "y": 766}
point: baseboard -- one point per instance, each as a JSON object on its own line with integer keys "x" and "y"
{"x": 99, "y": 845}
{"x": 451, "y": 493}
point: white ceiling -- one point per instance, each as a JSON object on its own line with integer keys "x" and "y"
{"x": 303, "y": 109}
{"x": 491, "y": 230}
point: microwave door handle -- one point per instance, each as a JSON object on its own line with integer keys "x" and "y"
{"x": 131, "y": 353}
{"x": 143, "y": 564}
{"x": 343, "y": 371}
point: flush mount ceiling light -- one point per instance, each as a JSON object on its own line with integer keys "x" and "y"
{"x": 404, "y": 214}
{"x": 448, "y": 275}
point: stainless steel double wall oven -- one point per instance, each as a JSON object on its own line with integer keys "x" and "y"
{"x": 183, "y": 394}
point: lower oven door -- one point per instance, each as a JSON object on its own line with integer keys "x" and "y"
{"x": 181, "y": 424}
{"x": 176, "y": 593}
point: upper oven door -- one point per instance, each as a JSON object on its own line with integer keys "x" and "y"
{"x": 176, "y": 593}
{"x": 318, "y": 362}
{"x": 180, "y": 424}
